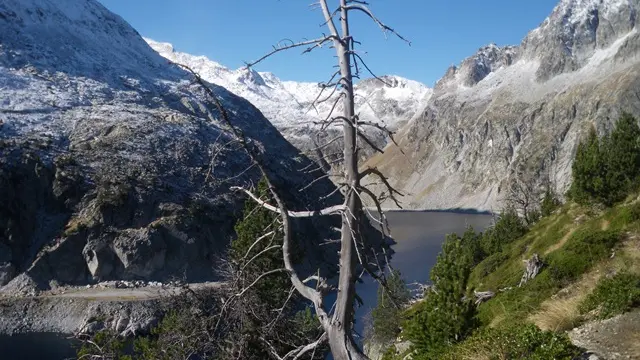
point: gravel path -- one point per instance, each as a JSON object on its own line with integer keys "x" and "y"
{"x": 130, "y": 294}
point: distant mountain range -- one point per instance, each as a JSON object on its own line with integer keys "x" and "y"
{"x": 504, "y": 112}
{"x": 108, "y": 152}
{"x": 391, "y": 101}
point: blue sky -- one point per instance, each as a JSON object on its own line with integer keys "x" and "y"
{"x": 442, "y": 32}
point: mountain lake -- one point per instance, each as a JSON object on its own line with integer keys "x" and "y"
{"x": 418, "y": 236}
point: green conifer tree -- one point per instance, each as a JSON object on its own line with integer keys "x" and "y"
{"x": 622, "y": 156}
{"x": 387, "y": 315}
{"x": 588, "y": 170}
{"x": 508, "y": 227}
{"x": 271, "y": 295}
{"x": 606, "y": 170}
{"x": 445, "y": 316}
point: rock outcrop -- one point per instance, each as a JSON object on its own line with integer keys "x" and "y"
{"x": 614, "y": 338}
{"x": 114, "y": 164}
{"x": 508, "y": 111}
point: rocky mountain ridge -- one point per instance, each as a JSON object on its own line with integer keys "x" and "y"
{"x": 115, "y": 164}
{"x": 391, "y": 101}
{"x": 520, "y": 111}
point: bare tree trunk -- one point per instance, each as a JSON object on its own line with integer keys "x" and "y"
{"x": 340, "y": 332}
{"x": 354, "y": 249}
{"x": 532, "y": 269}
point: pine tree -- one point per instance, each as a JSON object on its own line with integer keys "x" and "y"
{"x": 271, "y": 295}
{"x": 606, "y": 170}
{"x": 588, "y": 171}
{"x": 622, "y": 159}
{"x": 388, "y": 311}
{"x": 507, "y": 228}
{"x": 445, "y": 316}
{"x": 256, "y": 222}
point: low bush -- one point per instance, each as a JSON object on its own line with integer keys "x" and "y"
{"x": 518, "y": 342}
{"x": 581, "y": 252}
{"x": 387, "y": 315}
{"x": 515, "y": 305}
{"x": 624, "y": 216}
{"x": 613, "y": 296}
{"x": 104, "y": 344}
{"x": 490, "y": 264}
{"x": 549, "y": 204}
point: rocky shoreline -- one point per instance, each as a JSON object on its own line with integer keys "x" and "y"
{"x": 77, "y": 315}
{"x": 129, "y": 308}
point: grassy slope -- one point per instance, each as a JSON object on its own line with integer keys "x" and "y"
{"x": 550, "y": 300}
{"x": 579, "y": 247}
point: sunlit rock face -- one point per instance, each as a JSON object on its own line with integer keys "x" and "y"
{"x": 520, "y": 109}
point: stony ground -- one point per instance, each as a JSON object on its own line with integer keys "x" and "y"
{"x": 69, "y": 310}
{"x": 611, "y": 339}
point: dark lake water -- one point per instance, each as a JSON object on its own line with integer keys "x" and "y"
{"x": 36, "y": 346}
{"x": 418, "y": 236}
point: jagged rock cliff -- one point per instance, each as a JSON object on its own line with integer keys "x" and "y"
{"x": 114, "y": 163}
{"x": 520, "y": 109}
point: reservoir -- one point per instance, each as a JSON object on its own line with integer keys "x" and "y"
{"x": 418, "y": 236}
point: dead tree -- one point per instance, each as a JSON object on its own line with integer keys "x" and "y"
{"x": 482, "y": 296}
{"x": 524, "y": 196}
{"x": 532, "y": 268}
{"x": 357, "y": 254}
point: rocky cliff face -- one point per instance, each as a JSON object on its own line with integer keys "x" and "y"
{"x": 113, "y": 163}
{"x": 520, "y": 109}
{"x": 289, "y": 104}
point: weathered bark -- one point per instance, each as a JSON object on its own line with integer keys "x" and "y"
{"x": 339, "y": 329}
{"x": 482, "y": 296}
{"x": 532, "y": 268}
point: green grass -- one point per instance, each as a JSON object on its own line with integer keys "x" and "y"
{"x": 515, "y": 305}
{"x": 613, "y": 296}
{"x": 515, "y": 342}
{"x": 624, "y": 217}
{"x": 573, "y": 241}
{"x": 549, "y": 232}
{"x": 585, "y": 248}
{"x": 505, "y": 269}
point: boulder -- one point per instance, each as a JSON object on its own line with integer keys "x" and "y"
{"x": 141, "y": 251}
{"x": 100, "y": 259}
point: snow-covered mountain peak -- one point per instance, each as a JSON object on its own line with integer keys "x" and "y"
{"x": 161, "y": 47}
{"x": 575, "y": 30}
{"x": 475, "y": 68}
{"x": 581, "y": 11}
{"x": 249, "y": 77}
{"x": 201, "y": 64}
{"x": 46, "y": 33}
{"x": 288, "y": 104}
